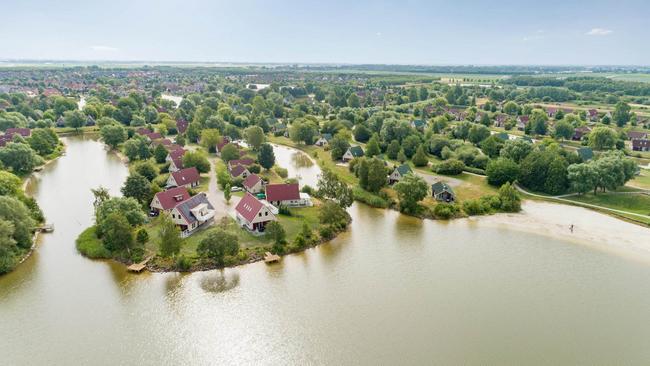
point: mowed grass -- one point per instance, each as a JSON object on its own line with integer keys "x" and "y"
{"x": 631, "y": 202}
{"x": 642, "y": 180}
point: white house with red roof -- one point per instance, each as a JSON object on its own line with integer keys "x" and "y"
{"x": 188, "y": 177}
{"x": 239, "y": 171}
{"x": 167, "y": 200}
{"x": 175, "y": 159}
{"x": 193, "y": 213}
{"x": 244, "y": 162}
{"x": 253, "y": 214}
{"x": 253, "y": 184}
{"x": 286, "y": 194}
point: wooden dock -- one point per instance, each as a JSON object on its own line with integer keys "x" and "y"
{"x": 47, "y": 228}
{"x": 139, "y": 267}
{"x": 271, "y": 258}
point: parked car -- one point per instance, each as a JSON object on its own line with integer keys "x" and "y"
{"x": 236, "y": 189}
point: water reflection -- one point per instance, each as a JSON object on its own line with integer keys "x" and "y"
{"x": 219, "y": 281}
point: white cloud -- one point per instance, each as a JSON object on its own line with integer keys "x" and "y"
{"x": 103, "y": 48}
{"x": 599, "y": 32}
{"x": 378, "y": 34}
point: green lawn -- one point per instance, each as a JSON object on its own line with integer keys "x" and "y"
{"x": 642, "y": 180}
{"x": 637, "y": 203}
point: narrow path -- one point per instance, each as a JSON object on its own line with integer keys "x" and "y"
{"x": 560, "y": 198}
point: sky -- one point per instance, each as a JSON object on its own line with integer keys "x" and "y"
{"x": 493, "y": 32}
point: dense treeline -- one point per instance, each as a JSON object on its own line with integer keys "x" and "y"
{"x": 584, "y": 84}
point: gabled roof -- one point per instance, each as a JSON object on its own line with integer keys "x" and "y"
{"x": 356, "y": 151}
{"x": 170, "y": 198}
{"x": 24, "y": 132}
{"x": 418, "y": 123}
{"x": 326, "y": 136}
{"x": 251, "y": 181}
{"x": 502, "y": 135}
{"x": 244, "y": 162}
{"x": 439, "y": 187}
{"x": 154, "y": 135}
{"x": 282, "y": 192}
{"x": 249, "y": 206}
{"x": 237, "y": 170}
{"x": 186, "y": 206}
{"x": 186, "y": 176}
{"x": 176, "y": 153}
{"x": 637, "y": 135}
{"x": 403, "y": 169}
{"x": 640, "y": 143}
{"x": 143, "y": 131}
{"x": 181, "y": 125}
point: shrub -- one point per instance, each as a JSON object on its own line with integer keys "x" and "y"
{"x": 183, "y": 263}
{"x": 450, "y": 167}
{"x": 369, "y": 199}
{"x": 445, "y": 211}
{"x": 282, "y": 172}
{"x": 326, "y": 232}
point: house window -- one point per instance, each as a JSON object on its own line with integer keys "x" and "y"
{"x": 266, "y": 213}
{"x": 259, "y": 214}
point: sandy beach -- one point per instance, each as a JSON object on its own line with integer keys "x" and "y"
{"x": 591, "y": 228}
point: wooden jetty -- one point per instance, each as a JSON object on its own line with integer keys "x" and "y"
{"x": 138, "y": 267}
{"x": 271, "y": 258}
{"x": 46, "y": 228}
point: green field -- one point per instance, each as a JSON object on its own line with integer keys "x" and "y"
{"x": 636, "y": 203}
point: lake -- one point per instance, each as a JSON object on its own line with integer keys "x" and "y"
{"x": 392, "y": 290}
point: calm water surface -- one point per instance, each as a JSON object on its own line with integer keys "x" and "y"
{"x": 393, "y": 290}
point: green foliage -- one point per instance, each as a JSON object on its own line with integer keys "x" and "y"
{"x": 478, "y": 133}
{"x": 393, "y": 149}
{"x": 502, "y": 170}
{"x": 168, "y": 235}
{"x": 411, "y": 190}
{"x": 138, "y": 187}
{"x": 128, "y": 207}
{"x": 331, "y": 187}
{"x": 116, "y": 233}
{"x": 142, "y": 237}
{"x": 282, "y": 172}
{"x": 229, "y": 152}
{"x": 147, "y": 169}
{"x": 334, "y": 215}
{"x": 492, "y": 145}
{"x": 564, "y": 130}
{"x": 9, "y": 184}
{"x": 338, "y": 146}
{"x": 372, "y": 174}
{"x": 210, "y": 137}
{"x": 43, "y": 140}
{"x": 17, "y": 214}
{"x": 420, "y": 158}
{"x": 276, "y": 232}
{"x": 516, "y": 150}
{"x": 622, "y": 114}
{"x": 266, "y": 156}
{"x": 372, "y": 148}
{"x": 544, "y": 171}
{"x": 445, "y": 211}
{"x": 509, "y": 198}
{"x": 19, "y": 157}
{"x": 113, "y": 135}
{"x": 137, "y": 148}
{"x": 602, "y": 138}
{"x": 450, "y": 167}
{"x": 91, "y": 246}
{"x": 217, "y": 245}
{"x": 74, "y": 119}
{"x": 375, "y": 200}
{"x": 196, "y": 159}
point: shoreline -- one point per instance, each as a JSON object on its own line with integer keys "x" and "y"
{"x": 592, "y": 229}
{"x": 37, "y": 233}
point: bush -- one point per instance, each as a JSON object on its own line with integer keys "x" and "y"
{"x": 450, "y": 167}
{"x": 284, "y": 210}
{"x": 254, "y": 168}
{"x": 445, "y": 211}
{"x": 183, "y": 263}
{"x": 90, "y": 246}
{"x": 326, "y": 232}
{"x": 369, "y": 199}
{"x": 282, "y": 172}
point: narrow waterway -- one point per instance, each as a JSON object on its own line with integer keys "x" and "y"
{"x": 392, "y": 290}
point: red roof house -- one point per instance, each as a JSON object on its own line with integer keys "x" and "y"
{"x": 175, "y": 159}
{"x": 239, "y": 171}
{"x": 253, "y": 184}
{"x": 287, "y": 194}
{"x": 253, "y": 214}
{"x": 166, "y": 200}
{"x": 188, "y": 177}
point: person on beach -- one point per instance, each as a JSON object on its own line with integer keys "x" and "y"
{"x": 571, "y": 228}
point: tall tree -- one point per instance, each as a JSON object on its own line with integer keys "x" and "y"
{"x": 254, "y": 136}
{"x": 266, "y": 156}
{"x": 169, "y": 236}
{"x": 411, "y": 190}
